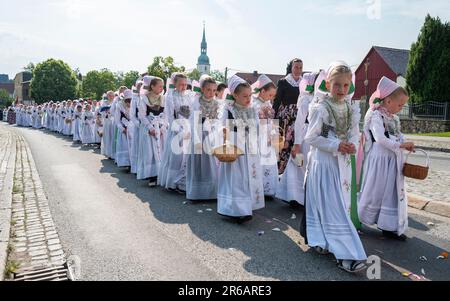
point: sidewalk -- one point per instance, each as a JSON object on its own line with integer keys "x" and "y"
{"x": 439, "y": 144}
{"x": 7, "y": 166}
{"x": 32, "y": 242}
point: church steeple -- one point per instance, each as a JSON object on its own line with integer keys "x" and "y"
{"x": 203, "y": 61}
{"x": 204, "y": 46}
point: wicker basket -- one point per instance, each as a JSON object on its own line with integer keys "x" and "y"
{"x": 416, "y": 171}
{"x": 279, "y": 140}
{"x": 227, "y": 153}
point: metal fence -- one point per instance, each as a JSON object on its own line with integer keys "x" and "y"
{"x": 429, "y": 110}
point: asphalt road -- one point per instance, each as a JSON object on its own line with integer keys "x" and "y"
{"x": 123, "y": 230}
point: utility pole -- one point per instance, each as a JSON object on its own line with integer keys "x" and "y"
{"x": 226, "y": 75}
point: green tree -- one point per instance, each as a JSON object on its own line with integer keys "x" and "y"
{"x": 427, "y": 74}
{"x": 218, "y": 76}
{"x": 194, "y": 74}
{"x": 53, "y": 80}
{"x": 130, "y": 78}
{"x": 95, "y": 83}
{"x": 164, "y": 67}
{"x": 5, "y": 99}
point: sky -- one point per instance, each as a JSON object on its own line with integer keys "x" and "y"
{"x": 244, "y": 35}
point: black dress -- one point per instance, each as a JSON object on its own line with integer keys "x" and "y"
{"x": 285, "y": 106}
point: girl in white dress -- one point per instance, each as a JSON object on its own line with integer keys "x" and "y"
{"x": 172, "y": 172}
{"x": 240, "y": 189}
{"x": 151, "y": 116}
{"x": 333, "y": 134}
{"x": 201, "y": 180}
{"x": 77, "y": 123}
{"x": 135, "y": 124}
{"x": 107, "y": 125}
{"x": 88, "y": 119}
{"x": 383, "y": 199}
{"x": 265, "y": 91}
{"x": 291, "y": 189}
{"x": 122, "y": 120}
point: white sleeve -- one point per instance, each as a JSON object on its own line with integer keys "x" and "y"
{"x": 118, "y": 120}
{"x": 302, "y": 113}
{"x": 142, "y": 115}
{"x": 314, "y": 133}
{"x": 378, "y": 131}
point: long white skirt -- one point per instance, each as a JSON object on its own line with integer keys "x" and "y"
{"x": 292, "y": 181}
{"x": 172, "y": 172}
{"x": 201, "y": 177}
{"x": 67, "y": 128}
{"x": 378, "y": 202}
{"x": 97, "y": 129}
{"x": 106, "y": 147}
{"x": 133, "y": 140}
{"x": 115, "y": 136}
{"x": 148, "y": 159}
{"x": 87, "y": 133}
{"x": 234, "y": 196}
{"x": 328, "y": 223}
{"x": 77, "y": 130}
{"x": 122, "y": 152}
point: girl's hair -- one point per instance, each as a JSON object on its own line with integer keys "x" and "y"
{"x": 268, "y": 87}
{"x": 339, "y": 70}
{"x": 207, "y": 81}
{"x": 242, "y": 86}
{"x": 291, "y": 64}
{"x": 155, "y": 81}
{"x": 179, "y": 76}
{"x": 221, "y": 87}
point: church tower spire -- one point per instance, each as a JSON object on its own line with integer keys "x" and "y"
{"x": 203, "y": 64}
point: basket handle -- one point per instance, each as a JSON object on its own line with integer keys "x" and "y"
{"x": 421, "y": 151}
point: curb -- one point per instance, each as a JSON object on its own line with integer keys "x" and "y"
{"x": 424, "y": 204}
{"x": 434, "y": 149}
{"x": 6, "y": 205}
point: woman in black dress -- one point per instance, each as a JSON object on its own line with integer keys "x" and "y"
{"x": 285, "y": 106}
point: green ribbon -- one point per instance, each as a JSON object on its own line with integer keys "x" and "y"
{"x": 354, "y": 202}
{"x": 309, "y": 88}
{"x": 197, "y": 89}
{"x": 256, "y": 91}
{"x": 323, "y": 86}
{"x": 171, "y": 86}
{"x": 377, "y": 101}
{"x": 352, "y": 89}
{"x": 229, "y": 97}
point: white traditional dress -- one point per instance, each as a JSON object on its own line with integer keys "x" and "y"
{"x": 133, "y": 133}
{"x": 291, "y": 187}
{"x": 98, "y": 128}
{"x": 108, "y": 130}
{"x": 77, "y": 123}
{"x": 240, "y": 189}
{"x": 67, "y": 122}
{"x": 87, "y": 130}
{"x": 328, "y": 187}
{"x": 172, "y": 172}
{"x": 151, "y": 117}
{"x": 268, "y": 153}
{"x": 122, "y": 121}
{"x": 383, "y": 200}
{"x": 202, "y": 166}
